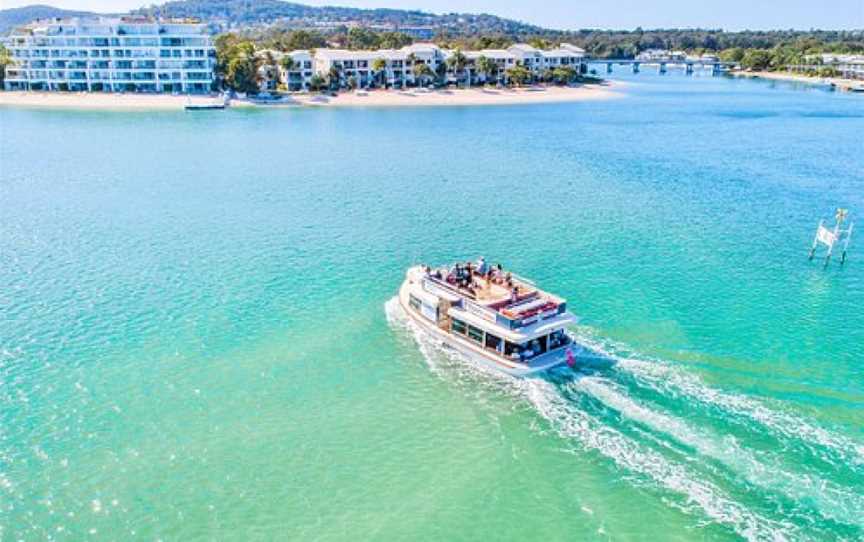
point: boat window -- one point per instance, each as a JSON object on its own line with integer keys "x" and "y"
{"x": 538, "y": 346}
{"x": 493, "y": 342}
{"x": 458, "y": 327}
{"x": 558, "y": 339}
{"x": 512, "y": 348}
{"x": 475, "y": 333}
{"x": 414, "y": 302}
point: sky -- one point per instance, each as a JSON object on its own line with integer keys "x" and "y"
{"x": 575, "y": 14}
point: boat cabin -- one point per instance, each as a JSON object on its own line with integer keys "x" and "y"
{"x": 505, "y": 315}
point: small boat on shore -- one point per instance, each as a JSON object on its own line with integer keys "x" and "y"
{"x": 495, "y": 317}
{"x": 203, "y": 107}
{"x": 207, "y": 106}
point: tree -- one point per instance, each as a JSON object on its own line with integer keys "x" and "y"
{"x": 564, "y": 74}
{"x": 756, "y": 59}
{"x": 394, "y": 40}
{"x": 316, "y": 83}
{"x": 5, "y": 60}
{"x": 288, "y": 63}
{"x": 422, "y": 72}
{"x": 518, "y": 74}
{"x": 362, "y": 38}
{"x": 236, "y": 64}
{"x": 734, "y": 54}
{"x": 441, "y": 72}
{"x": 485, "y": 66}
{"x": 458, "y": 62}
{"x": 302, "y": 39}
{"x": 378, "y": 66}
{"x": 334, "y": 77}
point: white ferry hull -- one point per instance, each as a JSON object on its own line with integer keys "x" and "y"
{"x": 463, "y": 346}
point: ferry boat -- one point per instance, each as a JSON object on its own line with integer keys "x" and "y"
{"x": 490, "y": 315}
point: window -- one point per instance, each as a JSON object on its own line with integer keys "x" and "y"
{"x": 414, "y": 302}
{"x": 458, "y": 326}
{"x": 512, "y": 348}
{"x": 475, "y": 334}
{"x": 493, "y": 342}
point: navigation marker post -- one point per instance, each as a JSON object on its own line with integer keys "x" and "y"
{"x": 830, "y": 237}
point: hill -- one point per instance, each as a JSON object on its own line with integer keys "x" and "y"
{"x": 244, "y": 13}
{"x": 10, "y": 18}
{"x": 225, "y": 14}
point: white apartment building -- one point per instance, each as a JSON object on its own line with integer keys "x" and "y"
{"x": 111, "y": 54}
{"x": 276, "y": 74}
{"x": 399, "y": 63}
{"x": 849, "y": 66}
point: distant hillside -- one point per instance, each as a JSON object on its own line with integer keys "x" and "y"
{"x": 243, "y": 13}
{"x": 10, "y": 18}
{"x": 225, "y": 14}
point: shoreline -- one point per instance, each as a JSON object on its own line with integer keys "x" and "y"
{"x": 838, "y": 82}
{"x": 373, "y": 98}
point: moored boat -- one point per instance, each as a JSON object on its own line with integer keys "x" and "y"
{"x": 492, "y": 316}
{"x": 206, "y": 106}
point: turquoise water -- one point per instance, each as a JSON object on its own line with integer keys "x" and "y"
{"x": 198, "y": 339}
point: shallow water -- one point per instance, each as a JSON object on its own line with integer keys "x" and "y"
{"x": 198, "y": 339}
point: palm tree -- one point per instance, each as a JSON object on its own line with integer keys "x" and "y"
{"x": 378, "y": 66}
{"x": 334, "y": 77}
{"x": 410, "y": 60}
{"x": 441, "y": 72}
{"x": 316, "y": 83}
{"x": 564, "y": 74}
{"x": 458, "y": 61}
{"x": 485, "y": 66}
{"x": 422, "y": 72}
{"x": 518, "y": 74}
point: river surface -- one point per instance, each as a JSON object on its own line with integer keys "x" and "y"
{"x": 198, "y": 338}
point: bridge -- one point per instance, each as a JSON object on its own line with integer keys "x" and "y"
{"x": 716, "y": 66}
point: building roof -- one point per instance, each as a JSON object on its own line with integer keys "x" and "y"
{"x": 422, "y": 48}
{"x": 523, "y": 48}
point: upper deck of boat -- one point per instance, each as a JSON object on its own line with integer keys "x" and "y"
{"x": 497, "y": 291}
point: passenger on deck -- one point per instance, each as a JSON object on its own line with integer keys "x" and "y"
{"x": 482, "y": 266}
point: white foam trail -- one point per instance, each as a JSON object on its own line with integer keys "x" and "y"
{"x": 830, "y": 500}
{"x": 574, "y": 424}
{"x": 570, "y": 422}
{"x": 669, "y": 380}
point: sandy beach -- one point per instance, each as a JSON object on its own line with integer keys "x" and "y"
{"x": 372, "y": 98}
{"x": 843, "y": 84}
{"x": 460, "y": 97}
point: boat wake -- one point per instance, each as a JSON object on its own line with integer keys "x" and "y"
{"x": 726, "y": 462}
